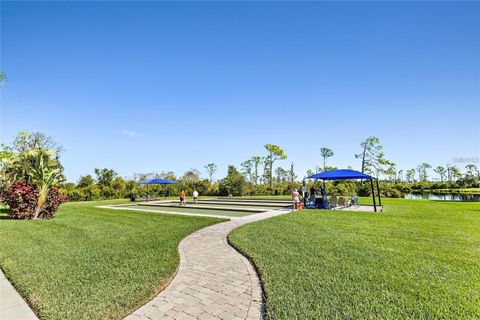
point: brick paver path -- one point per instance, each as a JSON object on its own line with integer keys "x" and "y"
{"x": 214, "y": 281}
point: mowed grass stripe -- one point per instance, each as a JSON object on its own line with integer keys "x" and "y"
{"x": 416, "y": 260}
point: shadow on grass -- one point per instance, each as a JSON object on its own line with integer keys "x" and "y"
{"x": 4, "y": 214}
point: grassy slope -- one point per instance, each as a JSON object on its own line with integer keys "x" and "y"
{"x": 418, "y": 260}
{"x": 91, "y": 263}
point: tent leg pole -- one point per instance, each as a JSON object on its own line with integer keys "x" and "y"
{"x": 379, "y": 197}
{"x": 373, "y": 196}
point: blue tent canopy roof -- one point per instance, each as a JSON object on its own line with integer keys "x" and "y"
{"x": 342, "y": 174}
{"x": 157, "y": 181}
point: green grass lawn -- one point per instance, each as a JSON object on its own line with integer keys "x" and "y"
{"x": 91, "y": 263}
{"x": 416, "y": 260}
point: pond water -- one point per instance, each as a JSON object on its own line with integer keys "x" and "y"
{"x": 444, "y": 196}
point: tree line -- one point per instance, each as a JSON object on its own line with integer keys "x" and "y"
{"x": 34, "y": 158}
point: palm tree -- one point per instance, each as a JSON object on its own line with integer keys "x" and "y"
{"x": 45, "y": 173}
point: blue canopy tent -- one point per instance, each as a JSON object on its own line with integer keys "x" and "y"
{"x": 345, "y": 174}
{"x": 156, "y": 181}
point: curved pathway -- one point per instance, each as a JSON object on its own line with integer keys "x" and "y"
{"x": 213, "y": 281}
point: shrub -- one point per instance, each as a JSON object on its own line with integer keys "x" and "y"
{"x": 342, "y": 188}
{"x": 54, "y": 200}
{"x": 74, "y": 195}
{"x": 232, "y": 184}
{"x": 91, "y": 192}
{"x": 391, "y": 191}
{"x": 21, "y": 197}
{"x": 387, "y": 190}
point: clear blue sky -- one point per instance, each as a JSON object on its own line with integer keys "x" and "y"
{"x": 151, "y": 86}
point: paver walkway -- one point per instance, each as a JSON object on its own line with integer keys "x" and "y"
{"x": 214, "y": 281}
{"x": 12, "y": 306}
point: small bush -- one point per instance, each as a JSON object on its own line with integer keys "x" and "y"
{"x": 54, "y": 200}
{"x": 21, "y": 197}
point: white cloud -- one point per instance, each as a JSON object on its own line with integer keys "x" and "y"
{"x": 131, "y": 134}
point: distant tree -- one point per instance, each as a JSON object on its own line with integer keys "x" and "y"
{"x": 105, "y": 177}
{"x": 233, "y": 183}
{"x": 25, "y": 141}
{"x": 169, "y": 175}
{"x": 274, "y": 153}
{"x": 410, "y": 175}
{"x": 472, "y": 170}
{"x": 281, "y": 174}
{"x": 391, "y": 172}
{"x": 85, "y": 181}
{"x": 192, "y": 175}
{"x": 5, "y": 154}
{"x": 441, "y": 171}
{"x": 326, "y": 153}
{"x": 256, "y": 163}
{"x": 455, "y": 172}
{"x": 291, "y": 173}
{"x": 68, "y": 185}
{"x": 211, "y": 168}
{"x": 449, "y": 172}
{"x": 372, "y": 156}
{"x": 310, "y": 172}
{"x": 400, "y": 175}
{"x": 119, "y": 185}
{"x": 422, "y": 171}
{"x": 266, "y": 171}
{"x": 247, "y": 170}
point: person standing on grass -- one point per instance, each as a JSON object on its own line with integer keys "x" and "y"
{"x": 295, "y": 198}
{"x": 195, "y": 196}
{"x": 182, "y": 197}
{"x": 313, "y": 192}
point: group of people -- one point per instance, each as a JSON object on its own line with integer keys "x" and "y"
{"x": 183, "y": 196}
{"x": 317, "y": 199}
{"x": 308, "y": 197}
